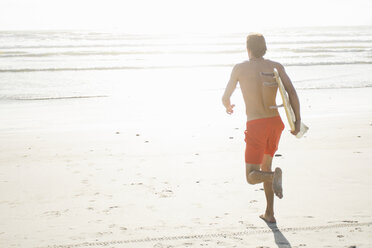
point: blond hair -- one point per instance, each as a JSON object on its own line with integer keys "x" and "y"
{"x": 256, "y": 44}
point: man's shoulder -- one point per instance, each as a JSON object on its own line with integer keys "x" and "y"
{"x": 241, "y": 65}
{"x": 245, "y": 62}
{"x": 275, "y": 64}
{"x": 244, "y": 65}
{"x": 238, "y": 67}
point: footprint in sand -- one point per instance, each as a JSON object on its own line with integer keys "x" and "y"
{"x": 350, "y": 221}
{"x": 85, "y": 181}
{"x": 160, "y": 245}
{"x": 52, "y": 213}
{"x": 165, "y": 193}
{"x": 103, "y": 233}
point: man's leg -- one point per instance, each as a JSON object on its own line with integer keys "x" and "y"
{"x": 272, "y": 180}
{"x": 269, "y": 193}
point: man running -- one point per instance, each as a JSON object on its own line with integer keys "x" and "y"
{"x": 264, "y": 125}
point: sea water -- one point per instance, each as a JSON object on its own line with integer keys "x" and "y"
{"x": 36, "y": 65}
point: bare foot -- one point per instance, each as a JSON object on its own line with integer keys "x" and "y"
{"x": 268, "y": 218}
{"x": 277, "y": 183}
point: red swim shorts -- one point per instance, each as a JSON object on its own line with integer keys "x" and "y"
{"x": 262, "y": 137}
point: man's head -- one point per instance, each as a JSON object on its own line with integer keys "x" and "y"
{"x": 256, "y": 45}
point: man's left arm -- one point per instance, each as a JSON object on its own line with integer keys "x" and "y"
{"x": 231, "y": 85}
{"x": 293, "y": 97}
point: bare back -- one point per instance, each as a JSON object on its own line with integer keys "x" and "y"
{"x": 259, "y": 91}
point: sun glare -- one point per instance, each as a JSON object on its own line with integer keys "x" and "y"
{"x": 169, "y": 16}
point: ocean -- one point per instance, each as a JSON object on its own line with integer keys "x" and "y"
{"x": 49, "y": 65}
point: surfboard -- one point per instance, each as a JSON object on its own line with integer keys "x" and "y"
{"x": 288, "y": 108}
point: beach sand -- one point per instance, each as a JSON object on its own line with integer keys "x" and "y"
{"x": 112, "y": 172}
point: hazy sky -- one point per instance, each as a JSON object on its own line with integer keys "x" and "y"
{"x": 180, "y": 15}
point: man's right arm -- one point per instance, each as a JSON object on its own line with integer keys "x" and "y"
{"x": 231, "y": 85}
{"x": 293, "y": 97}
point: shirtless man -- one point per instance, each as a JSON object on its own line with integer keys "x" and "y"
{"x": 264, "y": 125}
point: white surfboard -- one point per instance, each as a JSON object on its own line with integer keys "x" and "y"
{"x": 288, "y": 108}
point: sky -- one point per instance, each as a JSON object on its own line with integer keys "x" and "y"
{"x": 171, "y": 16}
